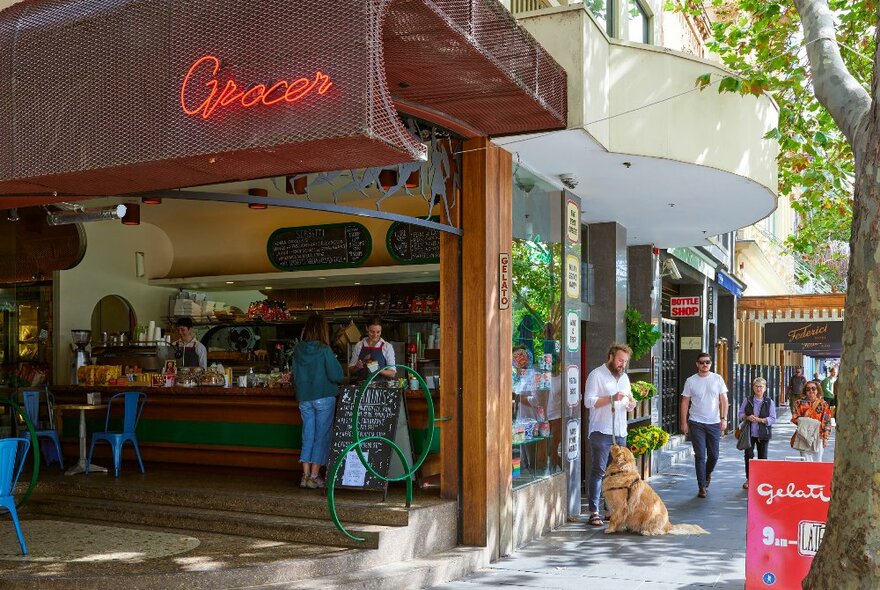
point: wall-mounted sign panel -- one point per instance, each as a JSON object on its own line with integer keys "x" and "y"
{"x": 572, "y": 439}
{"x": 572, "y": 331}
{"x": 413, "y": 244}
{"x": 803, "y": 332}
{"x": 572, "y": 385}
{"x": 572, "y": 221}
{"x": 572, "y": 276}
{"x": 504, "y": 284}
{"x": 336, "y": 245}
{"x": 685, "y": 307}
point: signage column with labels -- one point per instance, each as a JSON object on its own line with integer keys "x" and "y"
{"x": 571, "y": 444}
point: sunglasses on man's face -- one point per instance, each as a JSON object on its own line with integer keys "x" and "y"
{"x": 704, "y": 362}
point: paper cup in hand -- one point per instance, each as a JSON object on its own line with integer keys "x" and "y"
{"x": 373, "y": 366}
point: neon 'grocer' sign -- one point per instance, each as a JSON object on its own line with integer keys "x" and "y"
{"x": 203, "y": 100}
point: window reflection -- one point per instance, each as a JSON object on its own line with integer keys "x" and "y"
{"x": 638, "y": 25}
{"x": 601, "y": 10}
{"x": 536, "y": 258}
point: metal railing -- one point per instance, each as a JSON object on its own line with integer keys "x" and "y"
{"x": 773, "y": 246}
{"x": 520, "y": 6}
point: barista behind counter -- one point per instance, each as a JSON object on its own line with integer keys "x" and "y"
{"x": 372, "y": 349}
{"x": 189, "y": 351}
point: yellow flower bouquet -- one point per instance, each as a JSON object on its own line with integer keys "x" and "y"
{"x": 643, "y": 390}
{"x": 642, "y": 439}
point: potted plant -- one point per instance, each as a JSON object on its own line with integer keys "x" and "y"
{"x": 640, "y": 335}
{"x": 643, "y": 439}
{"x": 642, "y": 392}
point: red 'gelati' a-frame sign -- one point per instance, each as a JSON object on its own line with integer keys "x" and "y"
{"x": 788, "y": 507}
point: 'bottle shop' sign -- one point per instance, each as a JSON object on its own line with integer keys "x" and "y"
{"x": 685, "y": 307}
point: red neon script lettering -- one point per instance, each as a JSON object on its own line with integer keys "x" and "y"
{"x": 224, "y": 95}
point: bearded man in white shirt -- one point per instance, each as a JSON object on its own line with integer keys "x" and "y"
{"x": 608, "y": 396}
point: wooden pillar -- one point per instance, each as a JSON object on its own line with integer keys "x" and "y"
{"x": 487, "y": 412}
{"x": 783, "y": 378}
{"x": 450, "y": 354}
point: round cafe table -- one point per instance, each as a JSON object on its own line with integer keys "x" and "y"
{"x": 80, "y": 466}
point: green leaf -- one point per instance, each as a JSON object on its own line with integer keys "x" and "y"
{"x": 703, "y": 81}
{"x": 730, "y": 84}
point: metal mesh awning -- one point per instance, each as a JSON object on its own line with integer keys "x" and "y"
{"x": 128, "y": 96}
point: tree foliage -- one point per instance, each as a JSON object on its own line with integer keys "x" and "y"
{"x": 537, "y": 289}
{"x": 838, "y": 39}
{"x": 762, "y": 42}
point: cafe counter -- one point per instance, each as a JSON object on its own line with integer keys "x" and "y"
{"x": 222, "y": 427}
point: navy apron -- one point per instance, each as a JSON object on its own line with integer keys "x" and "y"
{"x": 190, "y": 356}
{"x": 369, "y": 353}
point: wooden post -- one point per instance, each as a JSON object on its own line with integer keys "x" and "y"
{"x": 487, "y": 411}
{"x": 450, "y": 353}
{"x": 783, "y": 381}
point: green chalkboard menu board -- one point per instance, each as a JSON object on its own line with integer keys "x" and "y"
{"x": 335, "y": 245}
{"x": 377, "y": 416}
{"x": 413, "y": 244}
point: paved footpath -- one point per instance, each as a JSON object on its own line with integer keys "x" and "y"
{"x": 578, "y": 556}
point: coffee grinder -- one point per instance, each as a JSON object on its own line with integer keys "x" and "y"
{"x": 80, "y": 340}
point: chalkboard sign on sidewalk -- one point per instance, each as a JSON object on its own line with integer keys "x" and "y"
{"x": 413, "y": 244}
{"x": 335, "y": 245}
{"x": 377, "y": 416}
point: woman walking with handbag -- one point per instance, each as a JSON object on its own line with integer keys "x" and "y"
{"x": 812, "y": 406}
{"x": 758, "y": 414}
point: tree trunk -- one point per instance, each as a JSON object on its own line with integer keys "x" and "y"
{"x": 849, "y": 556}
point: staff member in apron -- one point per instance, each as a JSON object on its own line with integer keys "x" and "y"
{"x": 372, "y": 349}
{"x": 192, "y": 352}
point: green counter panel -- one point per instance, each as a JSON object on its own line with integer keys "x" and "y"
{"x": 271, "y": 436}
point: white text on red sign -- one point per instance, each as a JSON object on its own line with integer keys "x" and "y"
{"x": 685, "y": 307}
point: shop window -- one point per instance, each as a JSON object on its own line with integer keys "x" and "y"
{"x": 602, "y": 10}
{"x": 639, "y": 23}
{"x": 537, "y": 309}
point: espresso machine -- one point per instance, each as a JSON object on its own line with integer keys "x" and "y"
{"x": 80, "y": 358}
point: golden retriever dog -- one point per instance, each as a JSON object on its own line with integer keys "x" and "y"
{"x": 633, "y": 504}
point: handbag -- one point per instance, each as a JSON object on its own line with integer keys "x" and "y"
{"x": 738, "y": 432}
{"x": 744, "y": 440}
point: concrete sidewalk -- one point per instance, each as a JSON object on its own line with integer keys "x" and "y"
{"x": 578, "y": 556}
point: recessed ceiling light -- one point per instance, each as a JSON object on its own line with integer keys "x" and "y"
{"x": 357, "y": 283}
{"x": 268, "y": 288}
{"x": 230, "y": 282}
{"x": 322, "y": 278}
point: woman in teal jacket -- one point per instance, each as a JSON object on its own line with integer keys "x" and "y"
{"x": 317, "y": 375}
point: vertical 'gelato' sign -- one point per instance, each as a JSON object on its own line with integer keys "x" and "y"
{"x": 504, "y": 280}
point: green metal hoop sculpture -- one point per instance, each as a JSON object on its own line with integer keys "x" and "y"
{"x": 356, "y": 446}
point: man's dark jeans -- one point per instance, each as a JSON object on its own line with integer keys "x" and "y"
{"x": 705, "y": 439}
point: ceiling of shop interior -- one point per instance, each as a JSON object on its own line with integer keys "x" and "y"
{"x": 661, "y": 202}
{"x": 338, "y": 277}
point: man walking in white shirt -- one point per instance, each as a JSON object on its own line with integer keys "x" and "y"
{"x": 705, "y": 394}
{"x": 608, "y": 396}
